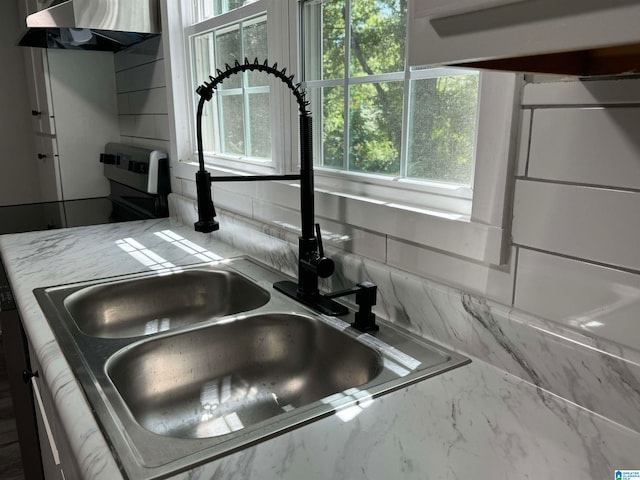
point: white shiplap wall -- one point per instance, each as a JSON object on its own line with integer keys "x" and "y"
{"x": 577, "y": 207}
{"x": 142, "y": 97}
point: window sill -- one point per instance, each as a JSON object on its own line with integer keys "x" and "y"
{"x": 452, "y": 233}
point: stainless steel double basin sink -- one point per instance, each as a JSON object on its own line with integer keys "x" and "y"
{"x": 185, "y": 366}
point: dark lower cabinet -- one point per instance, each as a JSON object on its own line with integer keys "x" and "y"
{"x": 17, "y": 360}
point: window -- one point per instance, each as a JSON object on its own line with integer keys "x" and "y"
{"x": 236, "y": 123}
{"x": 376, "y": 115}
{"x": 418, "y": 154}
{"x": 205, "y": 9}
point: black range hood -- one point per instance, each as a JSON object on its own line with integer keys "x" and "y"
{"x": 107, "y": 25}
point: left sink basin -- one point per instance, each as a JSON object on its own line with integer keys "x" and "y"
{"x": 144, "y": 306}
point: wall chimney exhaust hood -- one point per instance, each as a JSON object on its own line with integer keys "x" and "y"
{"x": 107, "y": 25}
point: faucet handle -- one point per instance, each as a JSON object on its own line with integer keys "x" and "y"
{"x": 319, "y": 239}
{"x": 315, "y": 261}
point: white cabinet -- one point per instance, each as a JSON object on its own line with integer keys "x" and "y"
{"x": 443, "y": 8}
{"x": 16, "y": 358}
{"x": 48, "y": 168}
{"x": 58, "y": 460}
{"x": 74, "y": 111}
{"x": 459, "y": 31}
{"x": 39, "y": 91}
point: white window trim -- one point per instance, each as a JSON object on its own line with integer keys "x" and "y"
{"x": 481, "y": 236}
{"x": 221, "y": 23}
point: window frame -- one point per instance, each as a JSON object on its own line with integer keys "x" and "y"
{"x": 498, "y": 95}
{"x": 414, "y": 213}
{"x": 227, "y": 161}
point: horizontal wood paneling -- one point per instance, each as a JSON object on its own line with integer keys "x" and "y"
{"x": 143, "y": 102}
{"x": 149, "y": 101}
{"x": 599, "y": 300}
{"x": 142, "y": 95}
{"x": 578, "y": 206}
{"x": 596, "y": 224}
{"x": 145, "y": 52}
{"x": 598, "y": 146}
{"x": 143, "y": 77}
{"x": 145, "y": 126}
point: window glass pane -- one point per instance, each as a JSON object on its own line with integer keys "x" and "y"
{"x": 209, "y": 143}
{"x": 228, "y": 50}
{"x": 203, "y": 9}
{"x": 254, "y": 36}
{"x": 375, "y": 127}
{"x": 324, "y": 40}
{"x": 442, "y": 128}
{"x": 210, "y": 8}
{"x": 378, "y": 31}
{"x": 259, "y": 121}
{"x": 232, "y": 124}
{"x": 237, "y": 120}
{"x": 327, "y": 104}
{"x": 224, "y": 6}
{"x": 333, "y": 40}
{"x": 202, "y": 53}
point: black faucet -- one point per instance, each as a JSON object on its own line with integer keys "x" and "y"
{"x": 312, "y": 263}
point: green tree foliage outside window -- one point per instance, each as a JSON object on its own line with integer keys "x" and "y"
{"x": 439, "y": 114}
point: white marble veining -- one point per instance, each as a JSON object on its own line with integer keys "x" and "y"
{"x": 601, "y": 376}
{"x": 538, "y": 401}
{"x": 469, "y": 423}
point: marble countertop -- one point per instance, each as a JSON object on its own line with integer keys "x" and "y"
{"x": 474, "y": 422}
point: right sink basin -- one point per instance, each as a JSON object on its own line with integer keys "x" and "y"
{"x": 225, "y": 377}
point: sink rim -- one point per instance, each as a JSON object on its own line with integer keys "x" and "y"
{"x": 146, "y": 455}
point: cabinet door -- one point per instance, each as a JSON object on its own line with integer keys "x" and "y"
{"x": 459, "y": 31}
{"x": 13, "y": 343}
{"x": 58, "y": 460}
{"x": 44, "y": 416}
{"x": 48, "y": 448}
{"x": 83, "y": 86}
{"x": 47, "y": 162}
{"x": 39, "y": 91}
{"x": 439, "y": 8}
